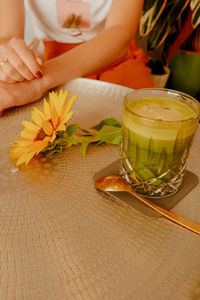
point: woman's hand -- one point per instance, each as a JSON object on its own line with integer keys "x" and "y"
{"x": 18, "y": 62}
{"x": 15, "y": 94}
{"x": 19, "y": 93}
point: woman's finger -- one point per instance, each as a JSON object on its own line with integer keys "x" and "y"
{"x": 19, "y": 55}
{"x": 10, "y": 72}
{"x": 5, "y": 78}
{"x": 27, "y": 56}
{"x": 6, "y": 52}
{"x": 38, "y": 56}
{"x": 18, "y": 65}
{"x": 39, "y": 60}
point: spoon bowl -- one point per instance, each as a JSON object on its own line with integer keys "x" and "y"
{"x": 117, "y": 184}
{"x": 112, "y": 184}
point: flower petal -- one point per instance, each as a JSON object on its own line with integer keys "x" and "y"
{"x": 21, "y": 143}
{"x": 30, "y": 126}
{"x": 41, "y": 145}
{"x": 67, "y": 116}
{"x": 37, "y": 118}
{"x": 61, "y": 127}
{"x": 47, "y": 110}
{"x": 53, "y": 137}
{"x": 28, "y": 134}
{"x": 54, "y": 118}
{"x": 25, "y": 158}
{"x": 33, "y": 149}
{"x": 22, "y": 154}
{"x": 52, "y": 96}
{"x": 48, "y": 129}
{"x": 62, "y": 101}
{"x": 71, "y": 102}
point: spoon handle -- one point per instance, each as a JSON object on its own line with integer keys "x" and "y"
{"x": 169, "y": 215}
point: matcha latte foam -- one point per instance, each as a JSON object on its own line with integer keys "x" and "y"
{"x": 158, "y": 127}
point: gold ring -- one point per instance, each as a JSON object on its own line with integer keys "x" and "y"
{"x": 3, "y": 61}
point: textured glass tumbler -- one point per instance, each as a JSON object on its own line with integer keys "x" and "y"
{"x": 154, "y": 150}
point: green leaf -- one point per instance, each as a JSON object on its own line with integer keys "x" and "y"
{"x": 196, "y": 16}
{"x": 70, "y": 141}
{"x": 84, "y": 146}
{"x": 85, "y": 141}
{"x": 71, "y": 129}
{"x": 109, "y": 134}
{"x": 60, "y": 142}
{"x": 152, "y": 9}
{"x": 193, "y": 4}
{"x": 88, "y": 132}
{"x": 166, "y": 21}
{"x": 55, "y": 150}
{"x": 98, "y": 143}
{"x": 108, "y": 121}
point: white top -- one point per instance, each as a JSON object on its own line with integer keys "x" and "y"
{"x": 45, "y": 16}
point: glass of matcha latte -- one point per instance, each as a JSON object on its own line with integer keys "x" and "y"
{"x": 158, "y": 126}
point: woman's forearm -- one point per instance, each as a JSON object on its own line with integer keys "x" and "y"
{"x": 12, "y": 18}
{"x": 90, "y": 57}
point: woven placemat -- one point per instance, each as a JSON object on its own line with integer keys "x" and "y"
{"x": 61, "y": 239}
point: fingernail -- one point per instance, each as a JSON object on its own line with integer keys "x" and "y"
{"x": 39, "y": 60}
{"x": 38, "y": 74}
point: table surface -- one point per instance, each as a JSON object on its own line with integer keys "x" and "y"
{"x": 61, "y": 239}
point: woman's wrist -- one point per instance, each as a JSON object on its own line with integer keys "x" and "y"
{"x": 50, "y": 76}
{"x": 58, "y": 71}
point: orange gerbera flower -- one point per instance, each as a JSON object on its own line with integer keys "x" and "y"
{"x": 48, "y": 122}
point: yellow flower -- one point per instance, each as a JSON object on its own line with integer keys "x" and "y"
{"x": 48, "y": 122}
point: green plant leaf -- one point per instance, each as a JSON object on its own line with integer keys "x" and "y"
{"x": 98, "y": 143}
{"x": 84, "y": 146}
{"x": 88, "y": 132}
{"x": 109, "y": 134}
{"x": 166, "y": 21}
{"x": 71, "y": 129}
{"x": 60, "y": 143}
{"x": 193, "y": 4}
{"x": 70, "y": 141}
{"x": 106, "y": 134}
{"x": 152, "y": 9}
{"x": 196, "y": 16}
{"x": 85, "y": 141}
{"x": 52, "y": 152}
{"x": 108, "y": 121}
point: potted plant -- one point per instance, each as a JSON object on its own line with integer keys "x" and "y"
{"x": 165, "y": 25}
{"x": 185, "y": 62}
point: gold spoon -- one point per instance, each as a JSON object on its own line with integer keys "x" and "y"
{"x": 117, "y": 184}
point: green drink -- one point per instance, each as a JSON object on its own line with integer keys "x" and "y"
{"x": 157, "y": 131}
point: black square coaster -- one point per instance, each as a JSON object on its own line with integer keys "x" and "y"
{"x": 190, "y": 180}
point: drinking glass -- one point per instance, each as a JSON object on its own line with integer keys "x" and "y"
{"x": 158, "y": 126}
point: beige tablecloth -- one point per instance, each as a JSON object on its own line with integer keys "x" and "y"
{"x": 61, "y": 239}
